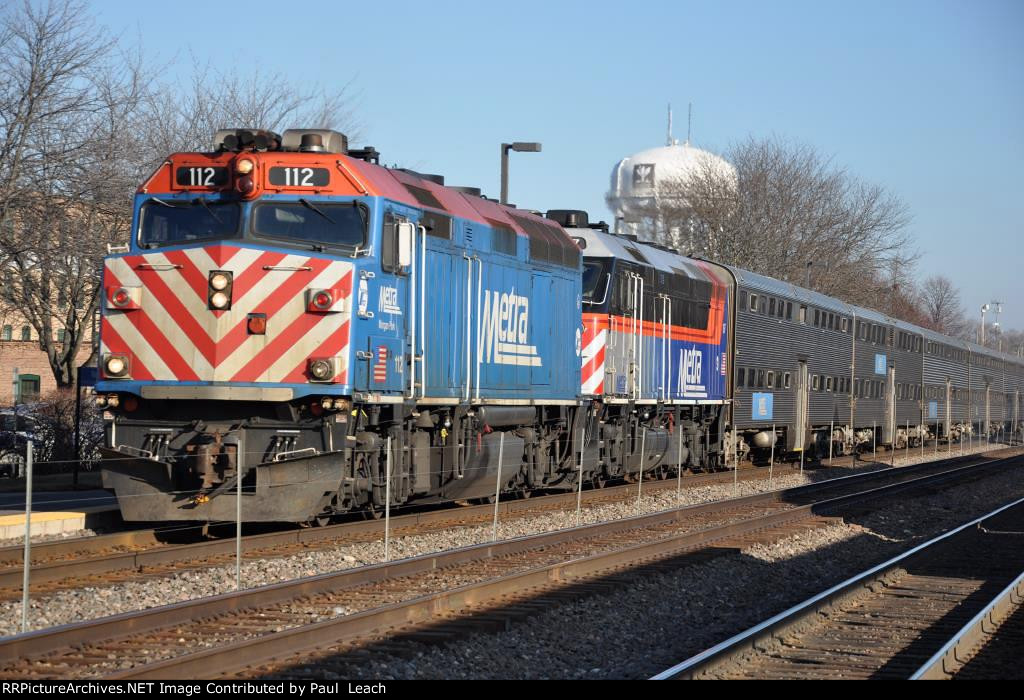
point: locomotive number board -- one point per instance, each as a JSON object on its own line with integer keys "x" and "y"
{"x": 299, "y": 177}
{"x": 200, "y": 176}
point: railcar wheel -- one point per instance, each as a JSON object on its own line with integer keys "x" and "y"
{"x": 372, "y": 512}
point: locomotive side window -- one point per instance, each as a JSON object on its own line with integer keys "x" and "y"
{"x": 740, "y": 376}
{"x": 743, "y": 299}
{"x": 595, "y": 281}
{"x": 771, "y": 379}
{"x": 786, "y": 380}
{"x": 389, "y": 261}
{"x": 789, "y": 310}
{"x": 771, "y": 306}
{"x": 753, "y": 302}
{"x": 803, "y": 314}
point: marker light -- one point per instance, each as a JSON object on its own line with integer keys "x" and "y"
{"x": 244, "y": 166}
{"x": 219, "y": 300}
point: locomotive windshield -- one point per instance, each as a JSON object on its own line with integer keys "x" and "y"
{"x": 166, "y": 222}
{"x": 313, "y": 222}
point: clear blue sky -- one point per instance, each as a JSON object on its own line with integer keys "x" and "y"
{"x": 924, "y": 98}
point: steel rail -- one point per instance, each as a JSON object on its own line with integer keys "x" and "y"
{"x": 958, "y": 650}
{"x": 773, "y": 627}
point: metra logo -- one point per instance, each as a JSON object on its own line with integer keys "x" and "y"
{"x": 690, "y": 362}
{"x": 503, "y": 328}
{"x": 388, "y": 302}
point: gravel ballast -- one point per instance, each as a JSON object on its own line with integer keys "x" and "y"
{"x": 667, "y": 618}
{"x": 69, "y": 606}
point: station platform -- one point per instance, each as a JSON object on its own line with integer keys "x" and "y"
{"x": 12, "y": 523}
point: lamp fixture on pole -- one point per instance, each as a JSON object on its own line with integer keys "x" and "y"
{"x": 521, "y": 146}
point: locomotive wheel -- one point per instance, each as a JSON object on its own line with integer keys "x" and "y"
{"x": 372, "y": 512}
{"x": 599, "y": 481}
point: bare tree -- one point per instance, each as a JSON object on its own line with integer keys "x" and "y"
{"x": 65, "y": 183}
{"x": 791, "y": 213}
{"x": 177, "y": 119}
{"x": 81, "y": 124}
{"x": 942, "y": 307}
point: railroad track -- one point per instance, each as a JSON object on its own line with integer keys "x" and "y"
{"x": 926, "y": 613}
{"x": 288, "y": 628}
{"x": 136, "y": 554}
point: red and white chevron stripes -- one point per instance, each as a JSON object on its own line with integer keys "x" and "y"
{"x": 595, "y": 334}
{"x": 174, "y": 336}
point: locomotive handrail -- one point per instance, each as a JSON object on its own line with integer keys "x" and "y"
{"x": 412, "y": 316}
{"x": 423, "y": 312}
{"x": 351, "y": 177}
{"x": 479, "y": 318}
{"x": 469, "y": 323}
{"x": 158, "y": 266}
{"x": 287, "y": 268}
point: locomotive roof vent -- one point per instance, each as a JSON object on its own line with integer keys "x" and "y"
{"x": 367, "y": 153}
{"x": 246, "y": 140}
{"x": 471, "y": 191}
{"x": 569, "y": 218}
{"x": 436, "y": 179}
{"x": 306, "y": 140}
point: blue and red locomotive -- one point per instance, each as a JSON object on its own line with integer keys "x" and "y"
{"x": 288, "y": 308}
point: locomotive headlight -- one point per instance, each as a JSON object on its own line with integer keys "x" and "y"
{"x": 321, "y": 369}
{"x": 244, "y": 166}
{"x": 327, "y": 402}
{"x": 113, "y": 401}
{"x": 219, "y": 281}
{"x": 219, "y": 291}
{"x": 115, "y": 366}
{"x": 101, "y": 401}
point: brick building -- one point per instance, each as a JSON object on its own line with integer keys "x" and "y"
{"x": 25, "y": 372}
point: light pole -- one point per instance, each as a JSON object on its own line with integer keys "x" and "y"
{"x": 995, "y": 326}
{"x": 521, "y": 146}
{"x": 981, "y": 336}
